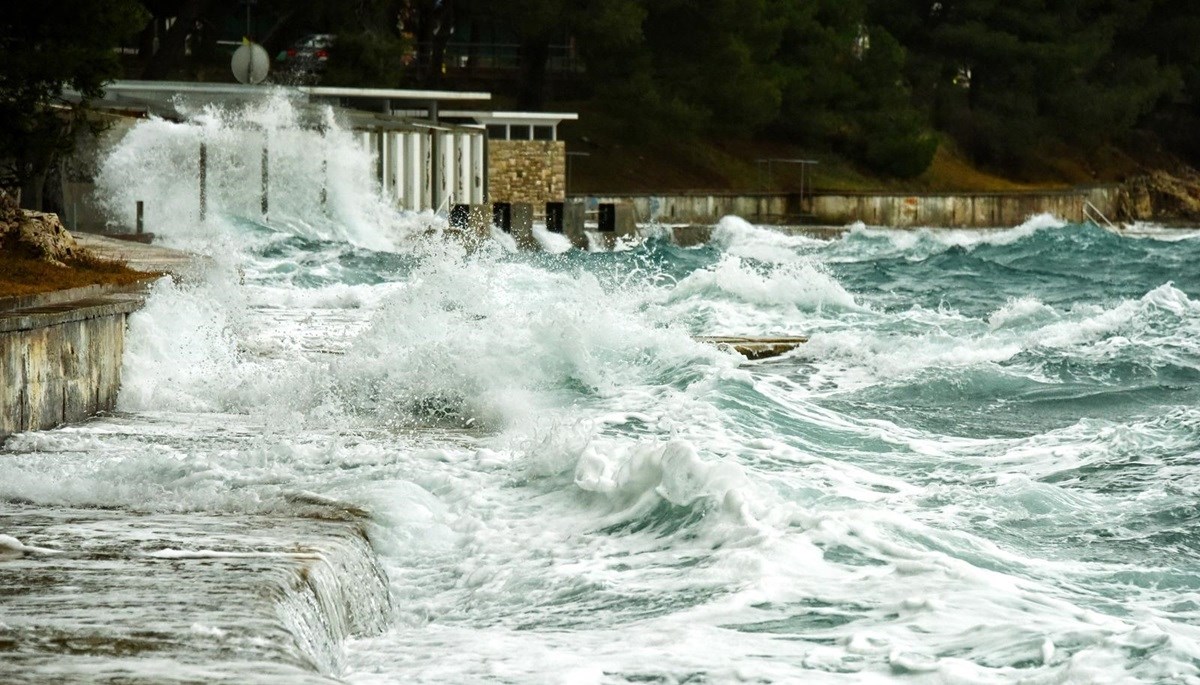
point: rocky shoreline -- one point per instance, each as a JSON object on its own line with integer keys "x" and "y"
{"x": 1161, "y": 196}
{"x": 36, "y": 235}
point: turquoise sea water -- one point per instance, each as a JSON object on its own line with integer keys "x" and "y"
{"x": 982, "y": 468}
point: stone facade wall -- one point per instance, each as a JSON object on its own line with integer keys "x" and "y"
{"x": 533, "y": 171}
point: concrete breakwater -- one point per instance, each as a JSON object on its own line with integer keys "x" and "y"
{"x": 900, "y": 210}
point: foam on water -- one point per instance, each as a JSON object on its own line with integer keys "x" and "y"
{"x": 981, "y": 468}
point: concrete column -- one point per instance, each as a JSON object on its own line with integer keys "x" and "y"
{"x": 478, "y": 164}
{"x": 412, "y": 171}
{"x": 390, "y": 167}
{"x": 401, "y": 167}
{"x": 427, "y": 170}
{"x": 377, "y": 156}
{"x": 445, "y": 171}
{"x": 465, "y": 164}
{"x": 615, "y": 220}
{"x": 203, "y": 180}
{"x": 522, "y": 225}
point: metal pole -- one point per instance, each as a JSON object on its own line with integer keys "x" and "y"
{"x": 203, "y": 180}
{"x": 380, "y": 156}
{"x": 803, "y": 167}
{"x": 140, "y": 215}
{"x": 266, "y": 175}
{"x": 324, "y": 182}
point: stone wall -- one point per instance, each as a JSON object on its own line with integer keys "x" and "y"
{"x": 60, "y": 363}
{"x": 533, "y": 171}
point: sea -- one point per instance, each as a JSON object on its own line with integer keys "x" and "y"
{"x": 982, "y": 467}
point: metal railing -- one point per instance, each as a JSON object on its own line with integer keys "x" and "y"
{"x": 1093, "y": 214}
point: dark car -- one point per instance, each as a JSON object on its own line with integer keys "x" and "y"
{"x": 309, "y": 55}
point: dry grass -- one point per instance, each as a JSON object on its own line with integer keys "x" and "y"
{"x": 21, "y": 275}
{"x": 951, "y": 171}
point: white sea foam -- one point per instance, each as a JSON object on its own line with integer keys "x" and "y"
{"x": 800, "y": 284}
{"x": 1021, "y": 312}
{"x": 738, "y": 237}
{"x": 564, "y": 486}
{"x": 863, "y": 242}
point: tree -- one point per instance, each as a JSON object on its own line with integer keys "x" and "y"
{"x": 1007, "y": 77}
{"x": 603, "y": 32}
{"x": 715, "y": 59}
{"x": 844, "y": 86}
{"x": 1166, "y": 38}
{"x": 48, "y": 47}
{"x": 187, "y": 14}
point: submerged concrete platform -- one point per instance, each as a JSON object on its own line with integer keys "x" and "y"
{"x": 755, "y": 347}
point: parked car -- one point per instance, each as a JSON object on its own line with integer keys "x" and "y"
{"x": 309, "y": 55}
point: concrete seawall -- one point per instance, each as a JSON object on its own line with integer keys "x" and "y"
{"x": 942, "y": 210}
{"x": 61, "y": 362}
{"x": 60, "y": 351}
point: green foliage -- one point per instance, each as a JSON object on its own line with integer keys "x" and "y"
{"x": 1008, "y": 77}
{"x": 715, "y": 57}
{"x": 366, "y": 59}
{"x": 844, "y": 87}
{"x": 47, "y": 47}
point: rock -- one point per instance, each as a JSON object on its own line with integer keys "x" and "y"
{"x": 35, "y": 234}
{"x": 10, "y": 210}
{"x": 1161, "y": 196}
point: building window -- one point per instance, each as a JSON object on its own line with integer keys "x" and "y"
{"x": 497, "y": 131}
{"x": 518, "y": 132}
{"x": 543, "y": 133}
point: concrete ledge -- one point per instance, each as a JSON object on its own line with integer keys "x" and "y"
{"x": 116, "y": 596}
{"x": 138, "y": 256}
{"x": 68, "y": 295}
{"x": 67, "y": 312}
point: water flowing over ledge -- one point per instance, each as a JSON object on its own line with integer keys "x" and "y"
{"x": 97, "y": 595}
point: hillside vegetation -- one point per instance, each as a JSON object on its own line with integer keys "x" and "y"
{"x": 919, "y": 94}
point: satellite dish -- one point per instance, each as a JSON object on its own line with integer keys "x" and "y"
{"x": 250, "y": 63}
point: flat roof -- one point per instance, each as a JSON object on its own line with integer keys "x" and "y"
{"x": 129, "y": 87}
{"x": 512, "y": 117}
{"x": 310, "y": 114}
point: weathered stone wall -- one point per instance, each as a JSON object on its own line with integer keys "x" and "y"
{"x": 60, "y": 363}
{"x": 533, "y": 171}
{"x": 947, "y": 210}
{"x": 961, "y": 210}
